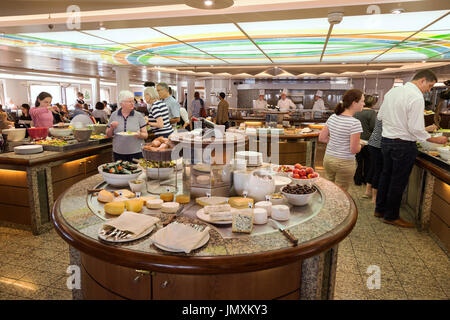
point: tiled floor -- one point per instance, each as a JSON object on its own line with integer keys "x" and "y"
{"x": 411, "y": 264}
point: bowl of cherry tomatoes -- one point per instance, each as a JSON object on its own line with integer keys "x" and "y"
{"x": 303, "y": 175}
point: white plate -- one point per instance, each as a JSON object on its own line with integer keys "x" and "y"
{"x": 201, "y": 244}
{"x": 28, "y": 149}
{"x": 123, "y": 133}
{"x": 203, "y": 216}
{"x": 143, "y": 234}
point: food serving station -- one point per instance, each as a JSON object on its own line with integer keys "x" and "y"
{"x": 254, "y": 230}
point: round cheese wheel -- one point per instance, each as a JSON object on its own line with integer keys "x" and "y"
{"x": 154, "y": 204}
{"x": 183, "y": 198}
{"x": 167, "y": 196}
{"x": 204, "y": 179}
{"x": 265, "y": 205}
{"x": 259, "y": 216}
{"x": 170, "y": 207}
{"x": 280, "y": 212}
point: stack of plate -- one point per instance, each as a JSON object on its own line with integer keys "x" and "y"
{"x": 28, "y": 149}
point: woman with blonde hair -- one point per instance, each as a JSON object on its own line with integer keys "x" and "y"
{"x": 342, "y": 136}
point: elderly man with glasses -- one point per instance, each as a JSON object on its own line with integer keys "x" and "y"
{"x": 170, "y": 102}
{"x": 128, "y": 129}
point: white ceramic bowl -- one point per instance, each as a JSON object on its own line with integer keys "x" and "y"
{"x": 280, "y": 182}
{"x": 57, "y": 132}
{"x": 444, "y": 152}
{"x": 164, "y": 173}
{"x": 303, "y": 181}
{"x": 15, "y": 134}
{"x": 298, "y": 199}
{"x": 260, "y": 184}
{"x": 430, "y": 146}
{"x": 119, "y": 180}
{"x": 136, "y": 187}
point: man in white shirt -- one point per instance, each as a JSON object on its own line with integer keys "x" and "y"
{"x": 318, "y": 105}
{"x": 261, "y": 103}
{"x": 285, "y": 104}
{"x": 402, "y": 113}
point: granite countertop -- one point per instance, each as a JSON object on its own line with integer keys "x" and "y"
{"x": 72, "y": 211}
{"x": 47, "y": 156}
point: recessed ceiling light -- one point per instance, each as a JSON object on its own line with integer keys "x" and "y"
{"x": 209, "y": 4}
{"x": 423, "y": 61}
{"x": 18, "y": 60}
{"x": 102, "y": 27}
{"x": 397, "y": 11}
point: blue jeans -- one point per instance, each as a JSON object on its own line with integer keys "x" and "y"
{"x": 398, "y": 161}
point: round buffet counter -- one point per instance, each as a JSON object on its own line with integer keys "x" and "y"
{"x": 248, "y": 266}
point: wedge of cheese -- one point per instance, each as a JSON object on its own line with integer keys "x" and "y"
{"x": 134, "y": 205}
{"x": 154, "y": 204}
{"x": 105, "y": 196}
{"x": 221, "y": 216}
{"x": 242, "y": 221}
{"x": 125, "y": 193}
{"x": 115, "y": 208}
{"x": 217, "y": 208}
{"x": 240, "y": 202}
{"x": 205, "y": 201}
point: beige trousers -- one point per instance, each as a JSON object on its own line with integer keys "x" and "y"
{"x": 339, "y": 171}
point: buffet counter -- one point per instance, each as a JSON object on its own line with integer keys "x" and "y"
{"x": 428, "y": 195}
{"x": 261, "y": 265}
{"x": 291, "y": 146}
{"x": 30, "y": 183}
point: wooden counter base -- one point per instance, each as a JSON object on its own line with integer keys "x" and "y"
{"x": 102, "y": 280}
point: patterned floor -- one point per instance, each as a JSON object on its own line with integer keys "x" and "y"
{"x": 412, "y": 264}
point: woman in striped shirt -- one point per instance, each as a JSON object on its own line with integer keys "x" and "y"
{"x": 342, "y": 135}
{"x": 158, "y": 114}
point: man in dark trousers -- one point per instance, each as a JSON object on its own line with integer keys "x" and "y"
{"x": 402, "y": 113}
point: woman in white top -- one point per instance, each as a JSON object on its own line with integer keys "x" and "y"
{"x": 342, "y": 135}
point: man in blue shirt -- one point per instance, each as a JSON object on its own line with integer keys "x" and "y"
{"x": 171, "y": 103}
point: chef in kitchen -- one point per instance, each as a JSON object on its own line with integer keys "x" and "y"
{"x": 318, "y": 105}
{"x": 261, "y": 103}
{"x": 285, "y": 104}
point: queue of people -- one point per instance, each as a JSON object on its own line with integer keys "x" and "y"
{"x": 391, "y": 149}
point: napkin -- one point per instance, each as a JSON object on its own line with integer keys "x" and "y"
{"x": 179, "y": 236}
{"x": 135, "y": 223}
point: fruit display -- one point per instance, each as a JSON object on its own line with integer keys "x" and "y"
{"x": 301, "y": 172}
{"x": 298, "y": 189}
{"x": 121, "y": 167}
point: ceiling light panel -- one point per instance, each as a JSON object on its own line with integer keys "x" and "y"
{"x": 375, "y": 35}
{"x": 224, "y": 41}
{"x": 289, "y": 41}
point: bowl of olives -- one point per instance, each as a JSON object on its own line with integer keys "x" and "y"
{"x": 298, "y": 195}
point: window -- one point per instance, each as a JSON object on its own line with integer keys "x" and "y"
{"x": 54, "y": 90}
{"x": 71, "y": 97}
{"x": 104, "y": 95}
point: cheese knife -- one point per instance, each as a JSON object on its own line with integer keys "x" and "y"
{"x": 286, "y": 233}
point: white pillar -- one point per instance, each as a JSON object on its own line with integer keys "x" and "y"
{"x": 122, "y": 78}
{"x": 190, "y": 92}
{"x": 95, "y": 85}
{"x": 180, "y": 93}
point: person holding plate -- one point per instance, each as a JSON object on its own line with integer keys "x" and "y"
{"x": 127, "y": 146}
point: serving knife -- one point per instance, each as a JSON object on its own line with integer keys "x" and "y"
{"x": 284, "y": 231}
